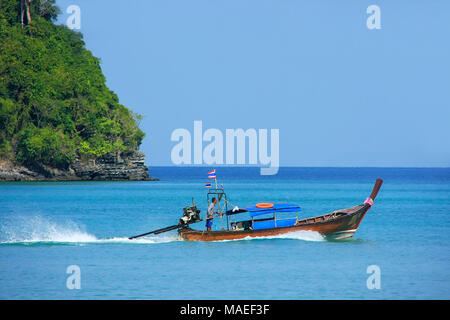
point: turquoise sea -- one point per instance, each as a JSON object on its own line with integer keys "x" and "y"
{"x": 47, "y": 227}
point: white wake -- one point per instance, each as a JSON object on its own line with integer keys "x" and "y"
{"x": 37, "y": 229}
{"x": 295, "y": 235}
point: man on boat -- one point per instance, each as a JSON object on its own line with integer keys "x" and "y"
{"x": 210, "y": 214}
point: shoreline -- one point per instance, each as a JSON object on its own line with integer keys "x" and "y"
{"x": 112, "y": 167}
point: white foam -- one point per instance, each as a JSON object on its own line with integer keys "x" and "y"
{"x": 37, "y": 229}
{"x": 304, "y": 235}
{"x": 143, "y": 240}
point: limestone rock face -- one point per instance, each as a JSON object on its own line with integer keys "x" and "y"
{"x": 111, "y": 167}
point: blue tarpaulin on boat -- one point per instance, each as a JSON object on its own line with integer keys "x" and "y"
{"x": 277, "y": 208}
{"x": 286, "y": 222}
{"x": 268, "y": 224}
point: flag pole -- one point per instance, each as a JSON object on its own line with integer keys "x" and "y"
{"x": 215, "y": 177}
{"x": 218, "y": 202}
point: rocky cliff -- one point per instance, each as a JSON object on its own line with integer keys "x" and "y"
{"x": 111, "y": 167}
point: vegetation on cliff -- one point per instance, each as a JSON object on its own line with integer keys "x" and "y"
{"x": 54, "y": 103}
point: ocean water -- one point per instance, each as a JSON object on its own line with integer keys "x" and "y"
{"x": 47, "y": 227}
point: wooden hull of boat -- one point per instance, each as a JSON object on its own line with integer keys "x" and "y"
{"x": 340, "y": 224}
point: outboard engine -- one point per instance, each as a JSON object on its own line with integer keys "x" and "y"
{"x": 190, "y": 215}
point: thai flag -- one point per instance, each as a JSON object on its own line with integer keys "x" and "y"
{"x": 208, "y": 185}
{"x": 212, "y": 174}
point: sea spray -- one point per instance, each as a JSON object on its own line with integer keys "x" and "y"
{"x": 38, "y": 229}
{"x": 29, "y": 229}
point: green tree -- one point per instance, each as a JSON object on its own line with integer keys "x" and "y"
{"x": 54, "y": 103}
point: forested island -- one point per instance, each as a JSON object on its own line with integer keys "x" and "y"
{"x": 58, "y": 119}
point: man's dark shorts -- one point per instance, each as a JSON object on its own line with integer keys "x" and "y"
{"x": 209, "y": 223}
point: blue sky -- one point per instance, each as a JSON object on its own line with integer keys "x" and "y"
{"x": 340, "y": 94}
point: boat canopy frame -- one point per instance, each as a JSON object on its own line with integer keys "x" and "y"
{"x": 220, "y": 195}
{"x": 255, "y": 211}
{"x": 222, "y": 209}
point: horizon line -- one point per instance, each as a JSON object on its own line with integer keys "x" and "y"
{"x": 332, "y": 167}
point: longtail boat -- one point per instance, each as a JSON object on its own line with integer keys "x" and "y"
{"x": 267, "y": 220}
{"x": 339, "y": 224}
